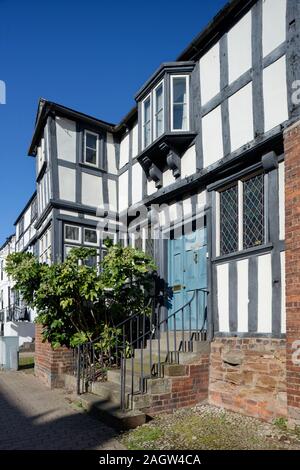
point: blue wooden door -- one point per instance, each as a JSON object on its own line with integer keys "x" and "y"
{"x": 187, "y": 274}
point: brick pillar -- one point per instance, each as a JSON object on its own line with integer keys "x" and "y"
{"x": 51, "y": 365}
{"x": 292, "y": 241}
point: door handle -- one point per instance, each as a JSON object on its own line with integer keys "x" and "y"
{"x": 196, "y": 257}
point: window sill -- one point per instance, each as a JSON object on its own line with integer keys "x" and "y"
{"x": 255, "y": 250}
{"x": 92, "y": 167}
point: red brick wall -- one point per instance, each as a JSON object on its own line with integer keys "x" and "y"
{"x": 292, "y": 241}
{"x": 50, "y": 364}
{"x": 184, "y": 391}
{"x": 248, "y": 375}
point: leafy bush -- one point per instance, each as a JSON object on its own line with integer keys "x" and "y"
{"x": 77, "y": 303}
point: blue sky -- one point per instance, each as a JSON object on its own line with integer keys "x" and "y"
{"x": 88, "y": 55}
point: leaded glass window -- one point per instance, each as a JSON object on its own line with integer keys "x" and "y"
{"x": 253, "y": 210}
{"x": 229, "y": 236}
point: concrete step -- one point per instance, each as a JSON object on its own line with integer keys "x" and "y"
{"x": 111, "y": 413}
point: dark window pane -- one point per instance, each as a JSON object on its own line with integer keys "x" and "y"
{"x": 91, "y": 141}
{"x": 179, "y": 90}
{"x": 91, "y": 156}
{"x": 72, "y": 233}
{"x": 253, "y": 208}
{"x": 90, "y": 236}
{"x": 229, "y": 220}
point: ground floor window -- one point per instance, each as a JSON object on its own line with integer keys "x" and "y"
{"x": 242, "y": 215}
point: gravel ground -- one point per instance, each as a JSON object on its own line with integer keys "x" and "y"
{"x": 206, "y": 427}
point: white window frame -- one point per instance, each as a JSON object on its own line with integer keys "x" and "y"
{"x": 160, "y": 84}
{"x": 187, "y": 80}
{"x": 149, "y": 96}
{"x": 240, "y": 189}
{"x": 94, "y": 165}
{"x": 90, "y": 243}
{"x": 71, "y": 240}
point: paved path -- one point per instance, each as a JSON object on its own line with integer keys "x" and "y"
{"x": 34, "y": 417}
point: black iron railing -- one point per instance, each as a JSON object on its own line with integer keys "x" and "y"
{"x": 16, "y": 313}
{"x": 143, "y": 344}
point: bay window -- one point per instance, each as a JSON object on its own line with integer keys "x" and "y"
{"x": 242, "y": 215}
{"x": 147, "y": 122}
{"x": 179, "y": 103}
{"x": 159, "y": 110}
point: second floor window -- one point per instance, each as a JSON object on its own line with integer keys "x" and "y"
{"x": 91, "y": 148}
{"x": 158, "y": 111}
{"x": 242, "y": 215}
{"x": 147, "y": 122}
{"x": 179, "y": 105}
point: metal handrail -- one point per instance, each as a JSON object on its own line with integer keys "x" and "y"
{"x": 130, "y": 346}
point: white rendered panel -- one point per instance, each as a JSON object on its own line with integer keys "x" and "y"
{"x": 134, "y": 141}
{"x": 240, "y": 48}
{"x": 151, "y": 187}
{"x": 212, "y": 137}
{"x": 123, "y": 191}
{"x": 275, "y": 94}
{"x": 241, "y": 117}
{"x": 124, "y": 150}
{"x": 210, "y": 74}
{"x": 67, "y": 183}
{"x": 243, "y": 297}
{"x": 111, "y": 155}
{"x": 264, "y": 281}
{"x": 92, "y": 190}
{"x": 112, "y": 194}
{"x": 168, "y": 178}
{"x": 137, "y": 183}
{"x": 66, "y": 139}
{"x": 188, "y": 162}
{"x": 274, "y": 24}
{"x": 223, "y": 297}
{"x": 27, "y": 218}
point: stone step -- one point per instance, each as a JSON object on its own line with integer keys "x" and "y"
{"x": 109, "y": 391}
{"x": 111, "y": 413}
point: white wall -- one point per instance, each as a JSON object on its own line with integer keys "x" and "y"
{"x": 92, "y": 190}
{"x": 240, "y": 48}
{"x": 112, "y": 195}
{"x": 212, "y": 137}
{"x": 275, "y": 94}
{"x": 264, "y": 281}
{"x": 188, "y": 162}
{"x": 124, "y": 150}
{"x": 123, "y": 191}
{"x": 134, "y": 141}
{"x": 137, "y": 183}
{"x": 210, "y": 74}
{"x": 241, "y": 117}
{"x": 223, "y": 296}
{"x": 66, "y": 139}
{"x": 67, "y": 183}
{"x": 111, "y": 155}
{"x": 274, "y": 24}
{"x": 243, "y": 297}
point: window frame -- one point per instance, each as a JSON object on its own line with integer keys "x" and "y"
{"x": 240, "y": 209}
{"x": 148, "y": 97}
{"x": 160, "y": 84}
{"x": 77, "y": 242}
{"x": 93, "y": 165}
{"x": 84, "y": 242}
{"x": 187, "y": 81}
